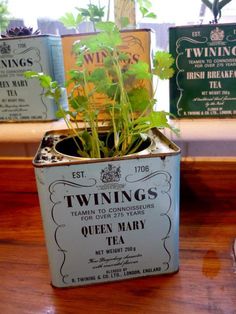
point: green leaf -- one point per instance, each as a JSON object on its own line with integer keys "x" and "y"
{"x": 90, "y": 44}
{"x": 139, "y": 98}
{"x": 59, "y": 114}
{"x": 140, "y": 70}
{"x": 155, "y": 119}
{"x": 97, "y": 75}
{"x": 31, "y": 74}
{"x": 163, "y": 62}
{"x": 109, "y": 41}
{"x": 108, "y": 27}
{"x": 159, "y": 119}
{"x": 53, "y": 85}
{"x": 113, "y": 92}
{"x": 79, "y": 102}
{"x": 45, "y": 81}
{"x": 123, "y": 56}
{"x": 76, "y": 76}
{"x": 93, "y": 13}
{"x": 78, "y": 20}
{"x": 146, "y": 3}
{"x": 71, "y": 21}
{"x": 144, "y": 6}
{"x": 101, "y": 80}
{"x": 151, "y": 15}
{"x": 143, "y": 10}
{"x": 4, "y": 15}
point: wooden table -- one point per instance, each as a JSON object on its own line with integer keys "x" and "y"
{"x": 205, "y": 283}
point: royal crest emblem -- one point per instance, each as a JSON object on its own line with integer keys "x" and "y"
{"x": 110, "y": 174}
{"x": 217, "y": 34}
{"x": 5, "y": 49}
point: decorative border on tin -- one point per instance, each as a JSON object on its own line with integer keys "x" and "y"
{"x": 179, "y": 69}
{"x": 59, "y": 225}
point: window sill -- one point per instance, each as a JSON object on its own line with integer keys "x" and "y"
{"x": 205, "y": 137}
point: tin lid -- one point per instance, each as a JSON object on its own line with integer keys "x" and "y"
{"x": 122, "y": 31}
{"x": 179, "y": 27}
{"x": 30, "y": 37}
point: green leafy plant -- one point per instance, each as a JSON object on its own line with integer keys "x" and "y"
{"x": 4, "y": 15}
{"x": 95, "y": 13}
{"x": 126, "y": 15}
{"x": 92, "y": 13}
{"x": 127, "y": 99}
{"x": 144, "y": 8}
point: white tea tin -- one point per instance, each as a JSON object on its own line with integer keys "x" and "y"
{"x": 22, "y": 99}
{"x": 109, "y": 219}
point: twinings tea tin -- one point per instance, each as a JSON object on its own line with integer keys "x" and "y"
{"x": 109, "y": 219}
{"x": 204, "y": 82}
{"x": 22, "y": 99}
{"x": 135, "y": 43}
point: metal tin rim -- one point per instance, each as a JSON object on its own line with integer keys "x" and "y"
{"x": 147, "y": 153}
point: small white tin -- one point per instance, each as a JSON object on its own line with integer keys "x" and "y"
{"x": 22, "y": 99}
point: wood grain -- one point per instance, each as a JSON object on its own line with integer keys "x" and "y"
{"x": 206, "y": 282}
{"x": 122, "y": 9}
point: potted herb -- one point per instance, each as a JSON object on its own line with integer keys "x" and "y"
{"x": 22, "y": 49}
{"x": 204, "y": 82}
{"x": 135, "y": 42}
{"x": 109, "y": 191}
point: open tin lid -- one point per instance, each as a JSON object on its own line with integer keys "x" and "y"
{"x": 48, "y": 154}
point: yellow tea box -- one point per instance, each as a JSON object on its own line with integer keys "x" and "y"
{"x": 135, "y": 43}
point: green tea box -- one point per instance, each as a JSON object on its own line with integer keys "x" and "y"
{"x": 204, "y": 84}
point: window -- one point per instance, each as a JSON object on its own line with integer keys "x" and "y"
{"x": 168, "y": 11}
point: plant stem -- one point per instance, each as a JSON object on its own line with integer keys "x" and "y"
{"x": 69, "y": 125}
{"x": 125, "y": 108}
{"x": 93, "y": 124}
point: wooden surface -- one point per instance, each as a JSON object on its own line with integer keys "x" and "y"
{"x": 205, "y": 283}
